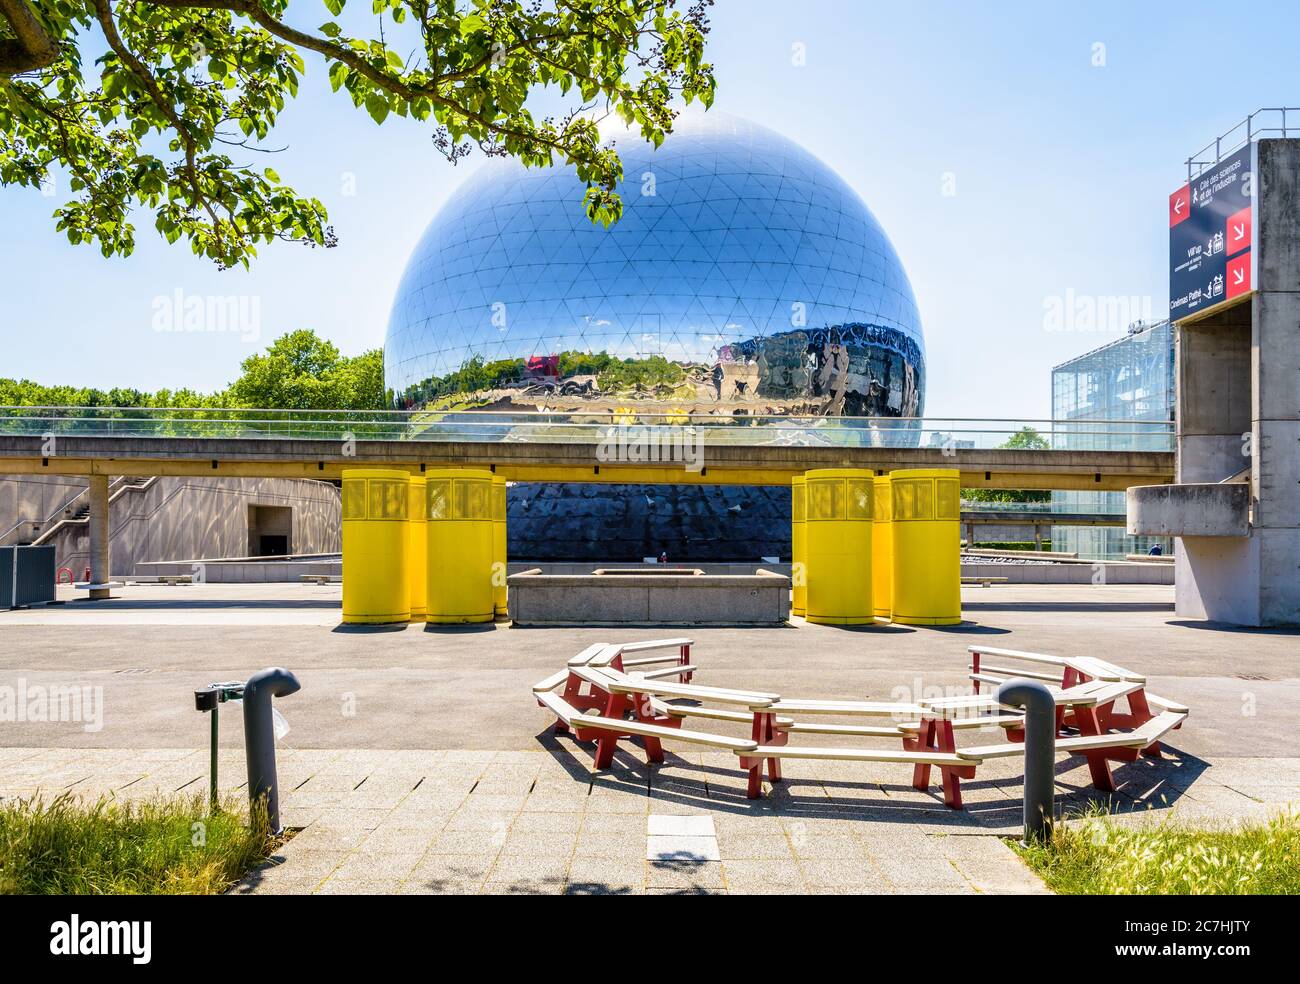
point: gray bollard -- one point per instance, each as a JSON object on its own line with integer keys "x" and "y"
{"x": 259, "y": 736}
{"x": 1040, "y": 753}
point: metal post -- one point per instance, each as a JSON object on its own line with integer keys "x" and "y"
{"x": 1040, "y": 754}
{"x": 259, "y": 737}
{"x": 212, "y": 771}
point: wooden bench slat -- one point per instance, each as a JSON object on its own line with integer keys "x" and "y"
{"x": 864, "y": 731}
{"x": 1139, "y": 737}
{"x": 1158, "y": 727}
{"x": 1164, "y": 704}
{"x": 640, "y": 647}
{"x": 584, "y": 657}
{"x": 551, "y": 682}
{"x": 713, "y": 713}
{"x": 856, "y": 755}
{"x": 1012, "y": 672}
{"x": 624, "y": 684}
{"x": 864, "y": 708}
{"x": 562, "y": 709}
{"x": 667, "y": 671}
{"x": 1016, "y": 654}
{"x": 1095, "y": 668}
{"x": 595, "y": 721}
{"x": 1078, "y": 743}
{"x": 1110, "y": 692}
{"x": 606, "y": 656}
{"x": 649, "y": 660}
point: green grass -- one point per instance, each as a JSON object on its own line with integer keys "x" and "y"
{"x": 157, "y": 847}
{"x": 1096, "y": 856}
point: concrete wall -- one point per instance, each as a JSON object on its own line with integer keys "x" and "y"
{"x": 32, "y": 499}
{"x": 183, "y": 519}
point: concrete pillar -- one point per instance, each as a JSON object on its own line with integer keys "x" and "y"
{"x": 1238, "y": 378}
{"x": 100, "y": 573}
{"x": 1275, "y": 369}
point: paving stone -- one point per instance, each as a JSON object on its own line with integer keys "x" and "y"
{"x": 388, "y": 838}
{"x": 684, "y": 875}
{"x": 684, "y": 849}
{"x": 839, "y": 872}
{"x": 540, "y": 844}
{"x": 469, "y": 842}
{"x": 826, "y": 846}
{"x": 611, "y": 845}
{"x": 443, "y": 873}
{"x": 519, "y": 868}
{"x": 680, "y": 825}
{"x": 612, "y": 874}
{"x": 522, "y": 887}
{"x": 758, "y": 846}
{"x": 350, "y": 886}
{"x": 750, "y": 876}
{"x": 556, "y": 823}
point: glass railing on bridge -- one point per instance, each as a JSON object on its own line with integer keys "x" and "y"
{"x": 947, "y": 435}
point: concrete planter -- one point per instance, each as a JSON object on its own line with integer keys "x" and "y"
{"x": 756, "y": 599}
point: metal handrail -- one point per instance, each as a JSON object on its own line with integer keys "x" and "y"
{"x": 64, "y": 507}
{"x": 1252, "y": 133}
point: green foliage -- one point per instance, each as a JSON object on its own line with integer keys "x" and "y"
{"x": 640, "y": 374}
{"x": 584, "y": 363}
{"x": 1025, "y": 439}
{"x": 1098, "y": 856}
{"x": 147, "y": 125}
{"x": 612, "y": 375}
{"x": 1006, "y": 495}
{"x": 302, "y": 371}
{"x": 298, "y": 371}
{"x": 161, "y": 847}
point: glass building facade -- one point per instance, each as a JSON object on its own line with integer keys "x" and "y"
{"x": 1131, "y": 379}
{"x": 744, "y": 276}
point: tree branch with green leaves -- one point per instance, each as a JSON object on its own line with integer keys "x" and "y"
{"x": 180, "y": 81}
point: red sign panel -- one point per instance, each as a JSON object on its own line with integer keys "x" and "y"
{"x": 1238, "y": 231}
{"x": 1238, "y": 276}
{"x": 1180, "y": 205}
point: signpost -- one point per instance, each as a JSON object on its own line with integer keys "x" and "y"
{"x": 1211, "y": 235}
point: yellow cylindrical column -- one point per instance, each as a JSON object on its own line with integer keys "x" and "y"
{"x": 882, "y": 554}
{"x": 459, "y": 545}
{"x": 798, "y": 548}
{"x": 417, "y": 531}
{"x": 499, "y": 544}
{"x": 376, "y": 546}
{"x": 926, "y": 527}
{"x": 837, "y": 543}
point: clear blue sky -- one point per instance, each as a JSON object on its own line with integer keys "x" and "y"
{"x": 1061, "y": 171}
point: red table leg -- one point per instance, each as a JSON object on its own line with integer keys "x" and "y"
{"x": 1097, "y": 764}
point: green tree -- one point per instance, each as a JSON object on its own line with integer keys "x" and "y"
{"x": 1025, "y": 439}
{"x": 302, "y": 371}
{"x": 298, "y": 371}
{"x": 181, "y": 80}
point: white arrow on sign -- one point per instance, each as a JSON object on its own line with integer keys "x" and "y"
{"x": 1238, "y": 277}
{"x": 1238, "y": 232}
{"x": 1178, "y": 206}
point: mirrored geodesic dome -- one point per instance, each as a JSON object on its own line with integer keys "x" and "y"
{"x": 745, "y": 276}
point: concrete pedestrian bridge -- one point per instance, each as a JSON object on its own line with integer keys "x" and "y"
{"x": 623, "y": 446}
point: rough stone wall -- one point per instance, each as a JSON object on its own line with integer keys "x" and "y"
{"x": 620, "y": 523}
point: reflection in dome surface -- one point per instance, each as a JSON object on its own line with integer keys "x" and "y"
{"x": 745, "y": 275}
